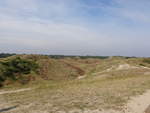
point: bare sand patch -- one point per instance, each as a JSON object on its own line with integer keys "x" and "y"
{"x": 15, "y": 91}
{"x": 138, "y": 104}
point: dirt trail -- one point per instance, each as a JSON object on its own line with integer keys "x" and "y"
{"x": 147, "y": 110}
{"x": 139, "y": 104}
{"x": 15, "y": 91}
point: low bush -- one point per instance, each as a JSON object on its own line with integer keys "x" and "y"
{"x": 146, "y": 60}
{"x": 16, "y": 69}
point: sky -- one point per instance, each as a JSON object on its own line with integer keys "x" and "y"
{"x": 75, "y": 27}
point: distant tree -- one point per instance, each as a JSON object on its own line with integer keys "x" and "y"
{"x": 4, "y": 55}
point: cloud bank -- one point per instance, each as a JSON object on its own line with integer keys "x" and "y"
{"x": 79, "y": 27}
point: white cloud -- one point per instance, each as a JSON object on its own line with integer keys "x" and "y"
{"x": 50, "y": 34}
{"x": 69, "y": 26}
{"x": 135, "y": 10}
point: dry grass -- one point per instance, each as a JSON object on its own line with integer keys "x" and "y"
{"x": 91, "y": 93}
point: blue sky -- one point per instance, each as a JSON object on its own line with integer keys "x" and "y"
{"x": 78, "y": 27}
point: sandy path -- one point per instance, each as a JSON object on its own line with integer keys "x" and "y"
{"x": 147, "y": 110}
{"x": 138, "y": 104}
{"x": 15, "y": 91}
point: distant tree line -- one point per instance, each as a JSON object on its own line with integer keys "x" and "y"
{"x": 85, "y": 57}
{"x": 4, "y": 55}
{"x": 73, "y": 56}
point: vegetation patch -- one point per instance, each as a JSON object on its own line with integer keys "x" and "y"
{"x": 16, "y": 69}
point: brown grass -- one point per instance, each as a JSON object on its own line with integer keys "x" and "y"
{"x": 93, "y": 92}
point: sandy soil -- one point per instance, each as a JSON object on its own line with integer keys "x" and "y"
{"x": 138, "y": 104}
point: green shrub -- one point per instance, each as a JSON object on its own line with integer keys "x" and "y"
{"x": 16, "y": 68}
{"x": 146, "y": 60}
{"x": 142, "y": 64}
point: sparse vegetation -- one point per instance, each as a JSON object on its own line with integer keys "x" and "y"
{"x": 16, "y": 69}
{"x": 146, "y": 60}
{"x": 108, "y": 83}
